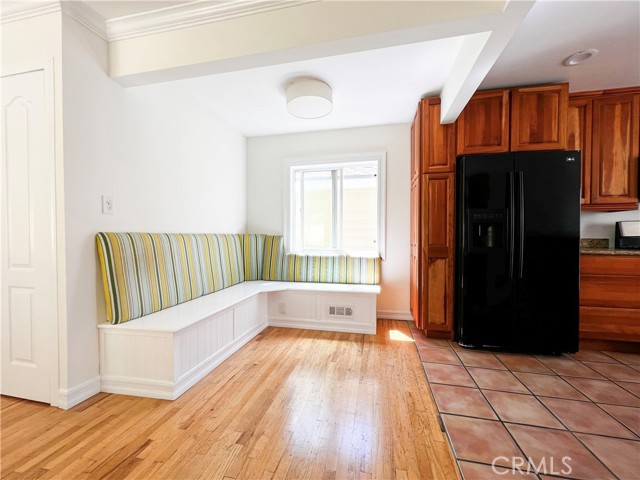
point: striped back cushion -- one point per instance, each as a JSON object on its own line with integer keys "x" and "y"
{"x": 279, "y": 266}
{"x": 143, "y": 273}
{"x": 253, "y": 251}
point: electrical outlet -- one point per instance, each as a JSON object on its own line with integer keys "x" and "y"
{"x": 282, "y": 308}
{"x": 107, "y": 205}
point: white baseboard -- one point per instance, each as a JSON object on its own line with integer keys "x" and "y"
{"x": 138, "y": 387}
{"x": 305, "y": 324}
{"x": 395, "y": 315}
{"x": 70, "y": 397}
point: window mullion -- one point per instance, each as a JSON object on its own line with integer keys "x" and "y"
{"x": 334, "y": 208}
{"x": 301, "y": 246}
{"x": 340, "y": 212}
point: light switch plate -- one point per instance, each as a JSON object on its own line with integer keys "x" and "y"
{"x": 107, "y": 205}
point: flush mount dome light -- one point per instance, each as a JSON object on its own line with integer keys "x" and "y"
{"x": 309, "y": 98}
{"x": 579, "y": 57}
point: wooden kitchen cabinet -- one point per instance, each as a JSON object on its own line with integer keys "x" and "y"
{"x": 517, "y": 119}
{"x": 610, "y": 302}
{"x": 438, "y": 141}
{"x": 432, "y": 222}
{"x": 483, "y": 125}
{"x": 605, "y": 125}
{"x": 579, "y": 138}
{"x": 416, "y": 144}
{"x": 616, "y": 141}
{"x": 414, "y": 266}
{"x": 437, "y": 254}
{"x": 539, "y": 117}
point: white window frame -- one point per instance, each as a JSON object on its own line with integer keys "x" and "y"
{"x": 327, "y": 162}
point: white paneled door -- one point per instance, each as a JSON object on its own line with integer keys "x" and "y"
{"x": 29, "y": 283}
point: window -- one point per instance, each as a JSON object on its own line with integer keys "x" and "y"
{"x": 335, "y": 205}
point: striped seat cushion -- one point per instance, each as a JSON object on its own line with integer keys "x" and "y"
{"x": 143, "y": 273}
{"x": 253, "y": 251}
{"x": 280, "y": 266}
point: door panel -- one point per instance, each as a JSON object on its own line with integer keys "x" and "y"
{"x": 616, "y": 145}
{"x": 539, "y": 117}
{"x": 579, "y": 138}
{"x": 483, "y": 125}
{"x": 28, "y": 290}
{"x": 546, "y": 294}
{"x": 414, "y": 284}
{"x": 484, "y": 287}
{"x": 438, "y": 246}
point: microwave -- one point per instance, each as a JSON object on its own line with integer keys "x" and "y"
{"x": 628, "y": 235}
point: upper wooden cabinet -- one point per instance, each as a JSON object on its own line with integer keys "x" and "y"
{"x": 483, "y": 125}
{"x": 616, "y": 138}
{"x": 432, "y": 145}
{"x": 517, "y": 119}
{"x": 605, "y": 125}
{"x": 579, "y": 138}
{"x": 539, "y": 117}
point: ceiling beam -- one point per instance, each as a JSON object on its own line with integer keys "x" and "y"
{"x": 479, "y": 52}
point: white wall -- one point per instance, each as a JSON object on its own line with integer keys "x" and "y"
{"x": 602, "y": 224}
{"x": 170, "y": 164}
{"x": 265, "y": 156}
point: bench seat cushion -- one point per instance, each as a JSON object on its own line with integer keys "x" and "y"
{"x": 143, "y": 273}
{"x": 286, "y": 267}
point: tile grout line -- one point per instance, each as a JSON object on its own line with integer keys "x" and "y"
{"x": 525, "y": 456}
{"x": 554, "y": 374}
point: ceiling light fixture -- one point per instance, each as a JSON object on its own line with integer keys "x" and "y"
{"x": 579, "y": 57}
{"x": 309, "y": 98}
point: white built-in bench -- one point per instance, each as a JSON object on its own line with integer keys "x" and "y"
{"x": 162, "y": 354}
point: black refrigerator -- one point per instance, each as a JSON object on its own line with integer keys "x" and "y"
{"x": 518, "y": 251}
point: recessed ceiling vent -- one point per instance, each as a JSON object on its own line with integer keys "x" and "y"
{"x": 579, "y": 57}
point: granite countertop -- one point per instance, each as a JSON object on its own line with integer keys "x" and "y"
{"x": 600, "y": 246}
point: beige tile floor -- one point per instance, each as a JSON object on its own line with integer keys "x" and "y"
{"x": 538, "y": 417}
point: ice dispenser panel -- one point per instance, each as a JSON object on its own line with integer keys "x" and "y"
{"x": 487, "y": 230}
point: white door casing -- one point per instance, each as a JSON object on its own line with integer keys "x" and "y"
{"x": 28, "y": 283}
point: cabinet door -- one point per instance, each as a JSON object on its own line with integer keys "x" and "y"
{"x": 483, "y": 125}
{"x": 437, "y": 253}
{"x": 438, "y": 141}
{"x": 416, "y": 143}
{"x": 616, "y": 141}
{"x": 539, "y": 117}
{"x": 414, "y": 284}
{"x": 579, "y": 138}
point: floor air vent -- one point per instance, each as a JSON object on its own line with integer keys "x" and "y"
{"x": 340, "y": 311}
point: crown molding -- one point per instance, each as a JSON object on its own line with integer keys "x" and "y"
{"x": 16, "y": 11}
{"x": 87, "y": 17}
{"x": 190, "y": 14}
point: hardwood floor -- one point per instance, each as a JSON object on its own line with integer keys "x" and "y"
{"x": 290, "y": 404}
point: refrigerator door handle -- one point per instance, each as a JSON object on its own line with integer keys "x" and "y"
{"x": 512, "y": 223}
{"x": 521, "y": 224}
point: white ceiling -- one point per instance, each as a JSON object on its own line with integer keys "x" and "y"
{"x": 369, "y": 88}
{"x": 383, "y": 86}
{"x": 553, "y": 30}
